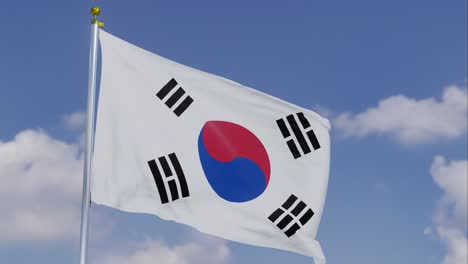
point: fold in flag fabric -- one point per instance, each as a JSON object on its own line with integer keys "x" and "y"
{"x": 204, "y": 151}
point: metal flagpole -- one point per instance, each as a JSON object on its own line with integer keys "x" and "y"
{"x": 95, "y": 25}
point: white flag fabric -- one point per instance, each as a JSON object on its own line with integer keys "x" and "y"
{"x": 204, "y": 151}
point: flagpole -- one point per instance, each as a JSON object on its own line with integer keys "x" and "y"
{"x": 86, "y": 202}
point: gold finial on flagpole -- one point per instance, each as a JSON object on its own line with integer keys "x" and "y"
{"x": 95, "y": 11}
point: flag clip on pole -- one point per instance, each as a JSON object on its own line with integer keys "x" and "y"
{"x": 95, "y": 25}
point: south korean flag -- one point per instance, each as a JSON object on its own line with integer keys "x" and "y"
{"x": 204, "y": 151}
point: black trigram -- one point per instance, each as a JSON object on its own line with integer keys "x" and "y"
{"x": 299, "y": 133}
{"x": 291, "y": 218}
{"x": 175, "y": 97}
{"x": 174, "y": 178}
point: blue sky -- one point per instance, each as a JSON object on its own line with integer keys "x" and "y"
{"x": 390, "y": 75}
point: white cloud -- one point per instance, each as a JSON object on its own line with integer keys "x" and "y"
{"x": 410, "y": 120}
{"x": 450, "y": 218}
{"x": 40, "y": 201}
{"x": 453, "y": 180}
{"x": 206, "y": 251}
{"x": 76, "y": 120}
{"x": 40, "y": 190}
{"x": 456, "y": 243}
